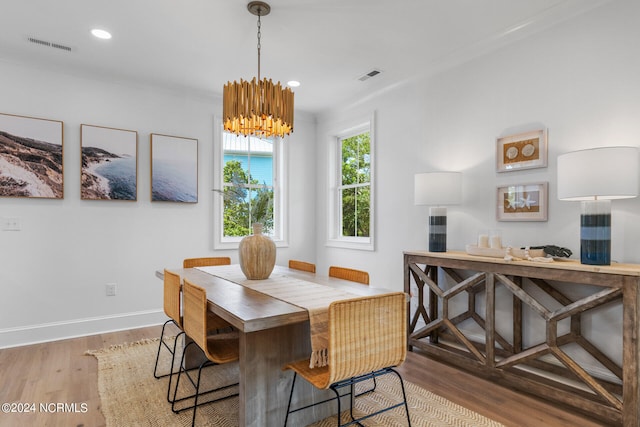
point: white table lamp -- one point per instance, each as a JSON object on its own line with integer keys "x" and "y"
{"x": 437, "y": 189}
{"x": 595, "y": 177}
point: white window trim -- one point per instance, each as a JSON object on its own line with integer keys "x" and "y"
{"x": 334, "y": 217}
{"x": 280, "y": 187}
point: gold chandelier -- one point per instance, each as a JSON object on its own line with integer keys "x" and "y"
{"x": 259, "y": 107}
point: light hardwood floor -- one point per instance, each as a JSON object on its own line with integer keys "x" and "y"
{"x": 59, "y": 372}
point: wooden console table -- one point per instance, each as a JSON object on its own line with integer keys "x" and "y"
{"x": 546, "y": 367}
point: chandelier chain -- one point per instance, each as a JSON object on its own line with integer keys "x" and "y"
{"x": 259, "y": 45}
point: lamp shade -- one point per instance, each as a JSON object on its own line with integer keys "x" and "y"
{"x": 595, "y": 177}
{"x": 599, "y": 173}
{"x": 438, "y": 188}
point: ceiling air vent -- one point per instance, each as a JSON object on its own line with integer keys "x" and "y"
{"x": 49, "y": 44}
{"x": 370, "y": 74}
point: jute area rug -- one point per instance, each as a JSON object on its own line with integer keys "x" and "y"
{"x": 131, "y": 396}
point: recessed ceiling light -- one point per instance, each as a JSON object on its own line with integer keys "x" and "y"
{"x": 293, "y": 83}
{"x": 101, "y": 34}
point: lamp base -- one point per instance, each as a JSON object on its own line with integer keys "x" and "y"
{"x": 437, "y": 229}
{"x": 595, "y": 232}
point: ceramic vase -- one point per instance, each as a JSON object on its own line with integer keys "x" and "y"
{"x": 257, "y": 254}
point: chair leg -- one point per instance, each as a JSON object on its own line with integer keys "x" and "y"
{"x": 339, "y": 406}
{"x": 195, "y": 403}
{"x": 293, "y": 384}
{"x": 181, "y": 369}
{"x": 160, "y": 344}
{"x": 375, "y": 384}
{"x": 173, "y": 362}
{"x": 404, "y": 396}
{"x": 175, "y": 390}
{"x": 196, "y": 385}
{"x": 301, "y": 408}
{"x": 352, "y": 396}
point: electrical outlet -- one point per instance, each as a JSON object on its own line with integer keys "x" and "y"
{"x": 11, "y": 224}
{"x": 111, "y": 289}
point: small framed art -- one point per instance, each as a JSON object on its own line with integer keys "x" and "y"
{"x": 31, "y": 153}
{"x": 522, "y": 151}
{"x": 523, "y": 202}
{"x": 174, "y": 169}
{"x": 109, "y": 163}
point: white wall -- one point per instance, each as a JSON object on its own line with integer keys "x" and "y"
{"x": 580, "y": 80}
{"x": 53, "y": 272}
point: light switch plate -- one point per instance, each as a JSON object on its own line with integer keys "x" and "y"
{"x": 111, "y": 289}
{"x": 11, "y": 224}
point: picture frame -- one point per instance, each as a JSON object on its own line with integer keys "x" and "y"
{"x": 108, "y": 163}
{"x": 174, "y": 169}
{"x": 526, "y": 150}
{"x": 523, "y": 202}
{"x": 31, "y": 157}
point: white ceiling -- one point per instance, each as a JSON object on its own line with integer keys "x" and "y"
{"x": 198, "y": 45}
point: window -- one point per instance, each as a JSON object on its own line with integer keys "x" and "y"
{"x": 355, "y": 188}
{"x": 351, "y": 201}
{"x": 248, "y": 184}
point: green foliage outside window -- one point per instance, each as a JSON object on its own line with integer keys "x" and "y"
{"x": 356, "y": 184}
{"x": 245, "y": 201}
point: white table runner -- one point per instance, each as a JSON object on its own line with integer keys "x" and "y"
{"x": 313, "y": 297}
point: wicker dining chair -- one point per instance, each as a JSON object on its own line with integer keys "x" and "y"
{"x": 215, "y": 323}
{"x": 349, "y": 274}
{"x": 358, "y": 276}
{"x": 171, "y": 304}
{"x": 367, "y": 339}
{"x": 302, "y": 266}
{"x": 218, "y": 349}
{"x": 206, "y": 261}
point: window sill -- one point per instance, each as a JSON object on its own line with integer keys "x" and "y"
{"x": 356, "y": 244}
{"x": 236, "y": 244}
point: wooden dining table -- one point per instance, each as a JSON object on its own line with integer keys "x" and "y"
{"x": 272, "y": 333}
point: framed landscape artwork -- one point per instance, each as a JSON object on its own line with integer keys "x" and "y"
{"x": 174, "y": 169}
{"x": 523, "y": 202}
{"x": 31, "y": 153}
{"x": 522, "y": 151}
{"x": 109, "y": 163}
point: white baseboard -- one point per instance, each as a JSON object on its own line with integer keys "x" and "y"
{"x": 54, "y": 331}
